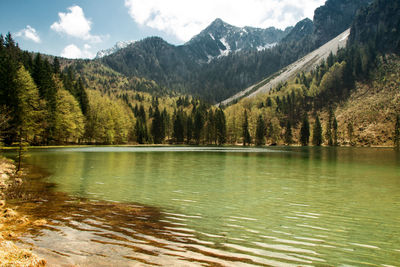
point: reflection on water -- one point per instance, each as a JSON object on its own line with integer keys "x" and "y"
{"x": 210, "y": 206}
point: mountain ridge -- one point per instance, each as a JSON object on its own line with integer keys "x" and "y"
{"x": 220, "y": 39}
{"x": 118, "y": 46}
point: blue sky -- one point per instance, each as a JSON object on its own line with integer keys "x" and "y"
{"x": 80, "y": 28}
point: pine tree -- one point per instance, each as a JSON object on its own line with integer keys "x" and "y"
{"x": 245, "y": 128}
{"x": 198, "y": 126}
{"x": 335, "y": 132}
{"x": 140, "y": 132}
{"x": 179, "y": 127}
{"x": 288, "y": 133}
{"x": 220, "y": 125}
{"x": 141, "y": 126}
{"x": 43, "y": 77}
{"x": 9, "y": 67}
{"x": 56, "y": 66}
{"x": 156, "y": 127}
{"x": 328, "y": 128}
{"x": 81, "y": 96}
{"x": 350, "y": 132}
{"x": 260, "y": 131}
{"x": 305, "y": 131}
{"x": 165, "y": 124}
{"x": 28, "y": 111}
{"x": 189, "y": 129}
{"x": 210, "y": 130}
{"x": 5, "y": 118}
{"x": 317, "y": 132}
{"x": 397, "y": 133}
{"x": 328, "y": 132}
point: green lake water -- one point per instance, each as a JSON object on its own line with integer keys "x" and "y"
{"x": 234, "y": 206}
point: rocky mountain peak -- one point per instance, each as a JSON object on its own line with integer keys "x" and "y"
{"x": 118, "y": 46}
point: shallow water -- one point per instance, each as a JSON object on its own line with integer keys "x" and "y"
{"x": 227, "y": 206}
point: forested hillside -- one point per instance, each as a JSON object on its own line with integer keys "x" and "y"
{"x": 351, "y": 99}
{"x": 185, "y": 68}
{"x": 42, "y": 104}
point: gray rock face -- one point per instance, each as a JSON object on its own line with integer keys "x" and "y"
{"x": 220, "y": 39}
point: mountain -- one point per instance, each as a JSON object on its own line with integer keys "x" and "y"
{"x": 223, "y": 59}
{"x": 302, "y": 29}
{"x": 179, "y": 67}
{"x": 305, "y": 64}
{"x": 155, "y": 59}
{"x": 354, "y": 93}
{"x": 330, "y": 21}
{"x": 377, "y": 26}
{"x": 118, "y": 46}
{"x": 335, "y": 17}
{"x": 220, "y": 39}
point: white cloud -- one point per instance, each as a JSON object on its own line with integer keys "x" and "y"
{"x": 29, "y": 33}
{"x": 184, "y": 19}
{"x": 72, "y": 51}
{"x": 75, "y": 24}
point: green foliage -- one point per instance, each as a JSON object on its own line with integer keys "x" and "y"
{"x": 350, "y": 132}
{"x": 328, "y": 128}
{"x": 108, "y": 121}
{"x": 189, "y": 129}
{"x": 397, "y": 133}
{"x": 335, "y": 132}
{"x": 198, "y": 126}
{"x": 157, "y": 127}
{"x": 4, "y": 122}
{"x": 179, "y": 122}
{"x": 245, "y": 130}
{"x": 29, "y": 109}
{"x": 220, "y": 125}
{"x": 96, "y": 104}
{"x": 305, "y": 132}
{"x": 288, "y": 133}
{"x": 260, "y": 132}
{"x": 317, "y": 132}
{"x": 69, "y": 124}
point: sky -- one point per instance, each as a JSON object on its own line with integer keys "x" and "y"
{"x": 80, "y": 28}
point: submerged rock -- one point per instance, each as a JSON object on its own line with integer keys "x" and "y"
{"x": 39, "y": 222}
{"x": 9, "y": 213}
{"x": 22, "y": 220}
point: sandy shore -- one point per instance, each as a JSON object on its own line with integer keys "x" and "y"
{"x": 13, "y": 224}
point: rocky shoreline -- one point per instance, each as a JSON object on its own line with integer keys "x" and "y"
{"x": 12, "y": 224}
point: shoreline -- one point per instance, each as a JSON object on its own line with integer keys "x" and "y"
{"x": 12, "y": 223}
{"x": 32, "y": 206}
{"x": 6, "y": 148}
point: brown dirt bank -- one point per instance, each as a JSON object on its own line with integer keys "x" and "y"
{"x": 12, "y": 223}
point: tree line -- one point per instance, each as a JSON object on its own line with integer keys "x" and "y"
{"x": 46, "y": 102}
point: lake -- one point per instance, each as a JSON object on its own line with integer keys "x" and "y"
{"x": 228, "y": 206}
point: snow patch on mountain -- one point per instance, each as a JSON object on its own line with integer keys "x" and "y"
{"x": 118, "y": 46}
{"x": 227, "y": 50}
{"x": 267, "y": 46}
